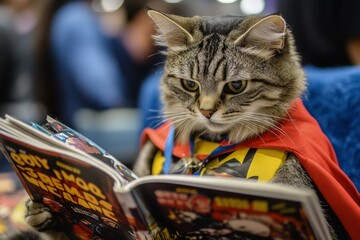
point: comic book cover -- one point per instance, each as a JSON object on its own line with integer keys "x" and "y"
{"x": 86, "y": 204}
{"x": 71, "y": 138}
{"x": 190, "y": 211}
{"x": 41, "y": 178}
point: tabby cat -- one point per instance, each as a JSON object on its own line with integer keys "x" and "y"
{"x": 225, "y": 77}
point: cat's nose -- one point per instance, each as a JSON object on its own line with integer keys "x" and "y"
{"x": 207, "y": 112}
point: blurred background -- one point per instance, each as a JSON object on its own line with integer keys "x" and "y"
{"x": 88, "y": 63}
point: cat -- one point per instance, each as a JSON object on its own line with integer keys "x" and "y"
{"x": 231, "y": 76}
{"x": 225, "y": 77}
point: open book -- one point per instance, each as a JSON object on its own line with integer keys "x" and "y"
{"x": 96, "y": 195}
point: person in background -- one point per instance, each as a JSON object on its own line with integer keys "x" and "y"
{"x": 6, "y": 64}
{"x": 136, "y": 53}
{"x": 326, "y": 32}
{"x": 18, "y": 21}
{"x": 75, "y": 64}
{"x": 80, "y": 66}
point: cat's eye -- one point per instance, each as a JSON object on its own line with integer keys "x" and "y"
{"x": 235, "y": 87}
{"x": 189, "y": 85}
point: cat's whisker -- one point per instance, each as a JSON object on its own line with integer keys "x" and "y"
{"x": 271, "y": 127}
{"x": 292, "y": 121}
{"x": 169, "y": 116}
{"x": 246, "y": 125}
{"x": 159, "y": 63}
{"x": 274, "y": 124}
{"x": 158, "y": 116}
{"x": 255, "y": 125}
{"x": 178, "y": 122}
{"x": 174, "y": 111}
{"x": 183, "y": 132}
{"x": 175, "y": 119}
{"x": 202, "y": 132}
{"x": 281, "y": 131}
{"x": 154, "y": 54}
{"x": 155, "y": 110}
{"x": 175, "y": 115}
{"x": 267, "y": 116}
{"x": 156, "y": 120}
{"x": 161, "y": 121}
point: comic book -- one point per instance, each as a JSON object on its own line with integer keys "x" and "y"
{"x": 97, "y": 197}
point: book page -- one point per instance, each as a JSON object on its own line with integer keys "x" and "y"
{"x": 56, "y": 133}
{"x": 228, "y": 208}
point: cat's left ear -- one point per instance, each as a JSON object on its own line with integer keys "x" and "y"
{"x": 265, "y": 36}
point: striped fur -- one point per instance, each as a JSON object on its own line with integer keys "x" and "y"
{"x": 216, "y": 50}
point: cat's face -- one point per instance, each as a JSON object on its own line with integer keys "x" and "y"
{"x": 227, "y": 75}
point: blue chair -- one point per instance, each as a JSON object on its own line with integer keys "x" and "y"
{"x": 333, "y": 98}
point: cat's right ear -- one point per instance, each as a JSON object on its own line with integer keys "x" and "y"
{"x": 173, "y": 31}
{"x": 265, "y": 37}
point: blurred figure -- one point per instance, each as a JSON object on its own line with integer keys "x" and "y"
{"x": 150, "y": 102}
{"x": 80, "y": 66}
{"x": 75, "y": 65}
{"x": 6, "y": 64}
{"x": 136, "y": 52}
{"x": 18, "y": 20}
{"x": 327, "y": 33}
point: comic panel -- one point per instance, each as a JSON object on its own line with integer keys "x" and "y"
{"x": 200, "y": 213}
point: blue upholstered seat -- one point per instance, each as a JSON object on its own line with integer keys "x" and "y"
{"x": 333, "y": 98}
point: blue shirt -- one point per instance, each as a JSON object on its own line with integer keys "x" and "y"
{"x": 87, "y": 72}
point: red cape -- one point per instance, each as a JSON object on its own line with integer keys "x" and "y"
{"x": 305, "y": 139}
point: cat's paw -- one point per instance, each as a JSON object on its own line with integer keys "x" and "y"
{"x": 40, "y": 217}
